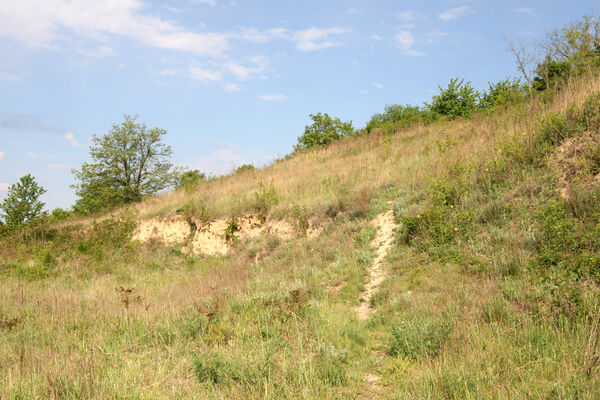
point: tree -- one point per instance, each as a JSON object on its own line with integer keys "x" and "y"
{"x": 323, "y": 131}
{"x": 129, "y": 163}
{"x": 502, "y": 93}
{"x": 459, "y": 99}
{"x": 189, "y": 179}
{"x": 22, "y": 202}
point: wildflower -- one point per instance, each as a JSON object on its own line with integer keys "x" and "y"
{"x": 455, "y": 229}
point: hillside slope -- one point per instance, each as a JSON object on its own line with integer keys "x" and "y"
{"x": 489, "y": 288}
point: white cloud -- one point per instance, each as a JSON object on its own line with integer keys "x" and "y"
{"x": 209, "y": 2}
{"x": 4, "y": 187}
{"x": 8, "y": 77}
{"x": 41, "y": 23}
{"x": 410, "y": 15}
{"x": 204, "y": 75}
{"x": 316, "y": 38}
{"x": 527, "y": 11}
{"x": 99, "y": 52}
{"x": 273, "y": 97}
{"x": 352, "y": 11}
{"x": 2, "y": 154}
{"x": 245, "y": 72}
{"x": 364, "y": 92}
{"x": 376, "y": 37}
{"x": 378, "y": 86}
{"x": 257, "y": 36}
{"x": 454, "y": 13}
{"x": 231, "y": 87}
{"x": 406, "y": 40}
{"x": 32, "y": 154}
{"x": 71, "y": 139}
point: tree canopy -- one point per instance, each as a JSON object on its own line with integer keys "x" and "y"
{"x": 323, "y": 131}
{"x": 22, "y": 202}
{"x": 128, "y": 163}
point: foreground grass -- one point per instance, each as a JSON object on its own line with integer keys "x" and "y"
{"x": 492, "y": 289}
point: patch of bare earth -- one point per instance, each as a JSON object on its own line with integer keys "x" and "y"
{"x": 382, "y": 243}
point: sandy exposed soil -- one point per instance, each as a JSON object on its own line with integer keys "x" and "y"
{"x": 382, "y": 243}
{"x": 209, "y": 238}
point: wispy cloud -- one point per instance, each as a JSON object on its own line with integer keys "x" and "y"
{"x": 278, "y": 98}
{"x": 231, "y": 87}
{"x": 244, "y": 72}
{"x": 4, "y": 187}
{"x": 352, "y": 11}
{"x": 410, "y": 15}
{"x": 317, "y": 38}
{"x": 71, "y": 139}
{"x": 204, "y": 75}
{"x": 2, "y": 154}
{"x": 527, "y": 11}
{"x": 209, "y": 2}
{"x": 378, "y": 86}
{"x": 262, "y": 36}
{"x": 406, "y": 40}
{"x": 8, "y": 77}
{"x": 32, "y": 154}
{"x": 98, "y": 52}
{"x": 436, "y": 35}
{"x": 454, "y": 13}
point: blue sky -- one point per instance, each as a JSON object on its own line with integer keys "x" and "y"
{"x": 233, "y": 81}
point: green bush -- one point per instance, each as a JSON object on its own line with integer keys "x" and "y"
{"x": 265, "y": 198}
{"x": 323, "y": 131}
{"x": 459, "y": 99}
{"x": 502, "y": 93}
{"x": 396, "y": 116}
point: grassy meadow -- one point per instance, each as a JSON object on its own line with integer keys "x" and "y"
{"x": 492, "y": 289}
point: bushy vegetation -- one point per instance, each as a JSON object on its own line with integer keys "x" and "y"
{"x": 323, "y": 131}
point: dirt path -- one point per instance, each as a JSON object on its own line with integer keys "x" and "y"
{"x": 382, "y": 243}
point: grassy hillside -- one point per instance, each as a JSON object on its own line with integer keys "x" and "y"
{"x": 491, "y": 290}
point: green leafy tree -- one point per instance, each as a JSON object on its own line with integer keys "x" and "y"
{"x": 323, "y": 131}
{"x": 502, "y": 93}
{"x": 22, "y": 202}
{"x": 459, "y": 99}
{"x": 398, "y": 116}
{"x": 129, "y": 163}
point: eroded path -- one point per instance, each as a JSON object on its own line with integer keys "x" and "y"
{"x": 382, "y": 242}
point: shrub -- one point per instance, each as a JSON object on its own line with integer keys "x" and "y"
{"x": 264, "y": 199}
{"x": 323, "y": 131}
{"x": 502, "y": 93}
{"x": 244, "y": 168}
{"x": 459, "y": 99}
{"x": 189, "y": 180}
{"x": 396, "y": 116}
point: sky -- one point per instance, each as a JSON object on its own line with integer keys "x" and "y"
{"x": 233, "y": 81}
